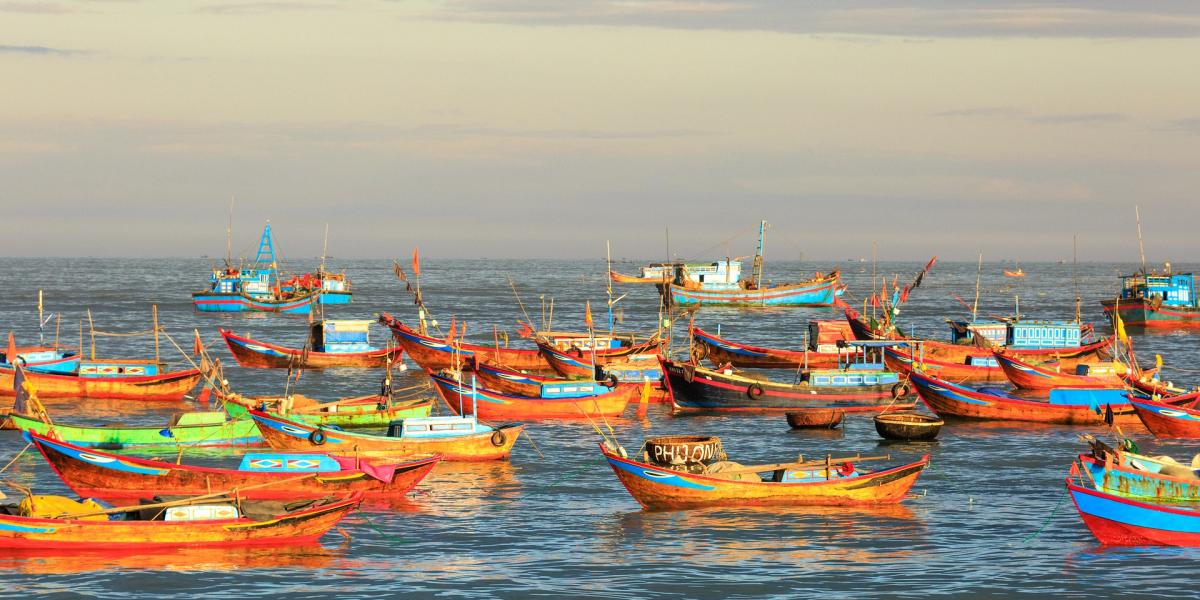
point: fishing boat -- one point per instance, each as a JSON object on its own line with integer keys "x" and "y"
{"x": 1119, "y": 521}
{"x": 1015, "y": 272}
{"x": 1156, "y": 300}
{"x": 256, "y": 288}
{"x": 116, "y": 379}
{"x": 682, "y": 290}
{"x": 1180, "y": 419}
{"x": 839, "y": 482}
{"x": 330, "y": 344}
{"x": 632, "y": 363}
{"x": 859, "y": 386}
{"x": 968, "y": 356}
{"x": 455, "y": 438}
{"x": 1141, "y": 477}
{"x": 555, "y": 400}
{"x": 1065, "y": 406}
{"x": 436, "y": 353}
{"x": 821, "y": 351}
{"x": 194, "y": 429}
{"x": 727, "y": 271}
{"x": 40, "y": 359}
{"x": 95, "y": 474}
{"x": 219, "y": 521}
{"x": 350, "y": 413}
{"x": 907, "y": 426}
{"x": 1047, "y": 377}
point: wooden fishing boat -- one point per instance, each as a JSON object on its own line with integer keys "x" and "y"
{"x": 1015, "y": 272}
{"x": 110, "y": 379}
{"x": 907, "y": 426}
{"x": 141, "y": 528}
{"x": 92, "y": 473}
{"x": 1119, "y": 521}
{"x": 970, "y": 363}
{"x": 1177, "y": 420}
{"x": 822, "y": 352}
{"x": 455, "y": 438}
{"x": 1142, "y": 477}
{"x": 958, "y": 401}
{"x": 40, "y": 359}
{"x": 557, "y": 400}
{"x": 727, "y": 271}
{"x": 815, "y": 418}
{"x": 1158, "y": 300}
{"x": 298, "y": 304}
{"x": 350, "y": 413}
{"x": 856, "y": 388}
{"x": 658, "y": 486}
{"x": 634, "y": 363}
{"x": 324, "y": 353}
{"x": 436, "y": 354}
{"x": 208, "y": 429}
{"x": 685, "y": 290}
{"x": 1033, "y": 377}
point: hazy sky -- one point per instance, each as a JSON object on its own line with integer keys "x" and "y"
{"x": 513, "y": 128}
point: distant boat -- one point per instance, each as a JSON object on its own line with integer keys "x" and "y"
{"x": 729, "y": 271}
{"x": 1016, "y": 273}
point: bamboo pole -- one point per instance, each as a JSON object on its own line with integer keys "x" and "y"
{"x": 92, "y": 327}
{"x": 57, "y": 328}
{"x": 154, "y": 317}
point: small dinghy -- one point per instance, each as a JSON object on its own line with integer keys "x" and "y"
{"x": 907, "y": 426}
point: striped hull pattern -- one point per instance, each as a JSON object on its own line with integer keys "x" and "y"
{"x": 220, "y": 302}
{"x": 495, "y": 406}
{"x": 950, "y": 361}
{"x": 97, "y": 474}
{"x": 952, "y": 400}
{"x": 289, "y": 528}
{"x": 167, "y": 387}
{"x": 1137, "y": 313}
{"x": 349, "y": 413}
{"x": 705, "y": 390}
{"x": 1118, "y": 521}
{"x": 656, "y": 487}
{"x": 580, "y": 364}
{"x": 254, "y": 354}
{"x": 818, "y": 293}
{"x": 230, "y": 434}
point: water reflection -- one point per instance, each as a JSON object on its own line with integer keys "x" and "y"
{"x": 310, "y": 555}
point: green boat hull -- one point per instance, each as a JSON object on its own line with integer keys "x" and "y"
{"x": 233, "y": 433}
{"x": 351, "y": 417}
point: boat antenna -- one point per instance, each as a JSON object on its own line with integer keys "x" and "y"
{"x": 1141, "y": 248}
{"x": 758, "y": 255}
{"x": 229, "y": 236}
{"x": 324, "y": 250}
{"x": 978, "y": 276}
{"x": 874, "y": 281}
{"x": 1075, "y": 276}
{"x": 41, "y": 326}
{"x": 608, "y": 279}
{"x": 668, "y": 233}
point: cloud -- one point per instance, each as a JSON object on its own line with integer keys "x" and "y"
{"x": 1079, "y": 118}
{"x": 250, "y": 8}
{"x": 39, "y": 50}
{"x": 925, "y": 18}
{"x": 1009, "y": 112}
{"x": 1188, "y": 125}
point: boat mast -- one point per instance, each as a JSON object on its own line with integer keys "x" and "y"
{"x": 874, "y": 281}
{"x": 1075, "y": 276}
{"x": 978, "y": 276}
{"x": 1141, "y": 248}
{"x": 758, "y": 255}
{"x": 608, "y": 256}
{"x": 41, "y": 327}
{"x": 229, "y": 237}
{"x": 324, "y": 250}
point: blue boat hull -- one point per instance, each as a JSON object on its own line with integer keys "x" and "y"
{"x": 216, "y": 302}
{"x": 823, "y": 293}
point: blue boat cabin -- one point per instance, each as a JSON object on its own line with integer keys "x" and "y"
{"x": 341, "y": 336}
{"x": 1168, "y": 289}
{"x": 119, "y": 368}
{"x": 1020, "y": 334}
{"x": 861, "y": 366}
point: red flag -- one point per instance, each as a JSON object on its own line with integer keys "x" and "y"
{"x": 896, "y": 282}
{"x": 11, "y": 357}
{"x": 904, "y": 295}
{"x": 874, "y": 300}
{"x": 416, "y": 262}
{"x": 587, "y": 315}
{"x": 197, "y": 345}
{"x": 398, "y": 271}
{"x": 453, "y": 327}
{"x": 524, "y": 330}
{"x": 930, "y": 264}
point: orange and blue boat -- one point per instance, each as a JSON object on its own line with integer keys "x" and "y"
{"x": 435, "y": 353}
{"x": 1064, "y": 406}
{"x": 559, "y": 399}
{"x": 1049, "y": 377}
{"x": 840, "y": 484}
{"x": 1119, "y": 521}
{"x": 1157, "y": 300}
{"x": 823, "y": 351}
{"x": 333, "y": 344}
{"x": 138, "y": 528}
{"x": 96, "y": 474}
{"x": 255, "y": 289}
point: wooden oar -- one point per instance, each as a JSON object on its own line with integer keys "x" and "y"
{"x": 798, "y": 465}
{"x": 186, "y": 501}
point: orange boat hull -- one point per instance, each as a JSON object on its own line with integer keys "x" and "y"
{"x": 1043, "y": 378}
{"x": 279, "y": 357}
{"x": 168, "y": 386}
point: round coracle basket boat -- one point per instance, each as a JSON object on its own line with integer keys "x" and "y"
{"x": 908, "y": 426}
{"x": 683, "y": 450}
{"x": 824, "y": 418}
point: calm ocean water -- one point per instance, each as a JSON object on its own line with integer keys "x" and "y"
{"x": 993, "y": 518}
